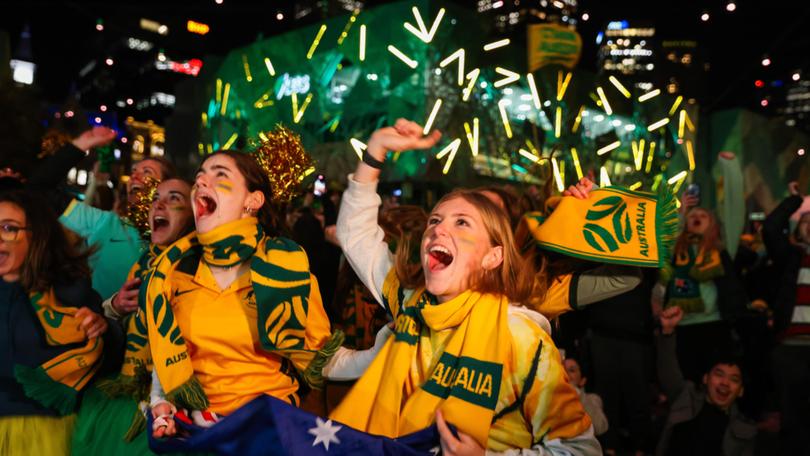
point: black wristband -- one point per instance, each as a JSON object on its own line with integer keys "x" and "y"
{"x": 371, "y": 161}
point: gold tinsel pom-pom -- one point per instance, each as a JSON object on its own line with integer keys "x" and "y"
{"x": 138, "y": 211}
{"x": 284, "y": 160}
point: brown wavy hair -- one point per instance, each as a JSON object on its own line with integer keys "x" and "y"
{"x": 51, "y": 257}
{"x": 512, "y": 278}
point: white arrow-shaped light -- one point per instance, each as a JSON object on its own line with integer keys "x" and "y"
{"x": 422, "y": 32}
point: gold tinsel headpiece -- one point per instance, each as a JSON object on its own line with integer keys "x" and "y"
{"x": 138, "y": 210}
{"x": 52, "y": 141}
{"x": 284, "y": 160}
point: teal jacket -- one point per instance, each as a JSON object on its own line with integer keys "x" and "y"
{"x": 118, "y": 244}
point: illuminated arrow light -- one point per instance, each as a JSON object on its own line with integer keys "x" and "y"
{"x": 649, "y": 95}
{"x": 432, "y": 116}
{"x": 458, "y": 55}
{"x": 451, "y": 149}
{"x": 316, "y": 41}
{"x": 505, "y": 118}
{"x": 422, "y": 32}
{"x": 529, "y": 155}
{"x": 619, "y": 86}
{"x": 604, "y": 179}
{"x": 608, "y": 148}
{"x": 604, "y": 100}
{"x": 472, "y": 136}
{"x": 496, "y": 44}
{"x": 656, "y": 125}
{"x": 533, "y": 89}
{"x": 358, "y": 146}
{"x": 405, "y": 59}
{"x": 509, "y": 77}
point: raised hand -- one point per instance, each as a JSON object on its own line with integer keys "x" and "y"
{"x": 670, "y": 317}
{"x": 581, "y": 189}
{"x": 96, "y": 136}
{"x": 93, "y": 324}
{"x": 404, "y": 135}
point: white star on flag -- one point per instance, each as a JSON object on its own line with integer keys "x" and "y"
{"x": 435, "y": 450}
{"x": 324, "y": 432}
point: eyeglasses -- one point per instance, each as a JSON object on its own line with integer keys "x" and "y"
{"x": 9, "y": 233}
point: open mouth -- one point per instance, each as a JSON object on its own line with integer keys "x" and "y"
{"x": 159, "y": 223}
{"x": 3, "y": 257}
{"x": 439, "y": 258}
{"x": 205, "y": 206}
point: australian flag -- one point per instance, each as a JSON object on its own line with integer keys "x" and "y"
{"x": 267, "y": 425}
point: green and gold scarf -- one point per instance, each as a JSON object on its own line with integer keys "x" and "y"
{"x": 56, "y": 383}
{"x": 291, "y": 320}
{"x": 613, "y": 225}
{"x": 687, "y": 270}
{"x": 463, "y": 380}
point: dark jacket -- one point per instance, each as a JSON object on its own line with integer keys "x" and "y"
{"x": 787, "y": 258}
{"x": 22, "y": 341}
{"x": 686, "y": 401}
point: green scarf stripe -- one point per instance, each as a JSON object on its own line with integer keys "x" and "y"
{"x": 89, "y": 349}
{"x": 277, "y": 272}
{"x": 281, "y": 244}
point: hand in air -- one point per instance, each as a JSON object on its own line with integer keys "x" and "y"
{"x": 404, "y": 135}
{"x": 670, "y": 317}
{"x": 581, "y": 189}
{"x": 96, "y": 136}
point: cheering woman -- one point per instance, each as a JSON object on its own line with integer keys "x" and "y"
{"x": 50, "y": 328}
{"x": 232, "y": 309}
{"x": 460, "y": 355}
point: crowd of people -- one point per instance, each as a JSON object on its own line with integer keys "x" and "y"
{"x": 390, "y": 318}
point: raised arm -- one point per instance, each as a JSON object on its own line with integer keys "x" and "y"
{"x": 776, "y": 225}
{"x": 670, "y": 376}
{"x": 361, "y": 238}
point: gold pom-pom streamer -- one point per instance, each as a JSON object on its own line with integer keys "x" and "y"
{"x": 138, "y": 210}
{"x": 284, "y": 160}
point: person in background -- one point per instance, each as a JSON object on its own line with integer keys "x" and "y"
{"x": 791, "y": 306}
{"x": 103, "y": 421}
{"x": 619, "y": 339}
{"x": 702, "y": 421}
{"x": 592, "y": 402}
{"x": 117, "y": 242}
{"x": 53, "y": 337}
{"x": 701, "y": 280}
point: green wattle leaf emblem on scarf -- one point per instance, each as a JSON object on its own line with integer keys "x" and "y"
{"x": 622, "y": 231}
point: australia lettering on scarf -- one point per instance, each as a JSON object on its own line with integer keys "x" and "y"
{"x": 471, "y": 380}
{"x": 406, "y": 328}
{"x": 176, "y": 358}
{"x": 641, "y": 229}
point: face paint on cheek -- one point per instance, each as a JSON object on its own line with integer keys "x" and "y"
{"x": 225, "y": 185}
{"x": 467, "y": 241}
{"x": 178, "y": 208}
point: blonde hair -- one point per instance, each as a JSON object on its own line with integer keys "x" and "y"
{"x": 512, "y": 278}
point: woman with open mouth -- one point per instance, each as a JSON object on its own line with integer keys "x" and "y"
{"x": 105, "y": 421}
{"x": 53, "y": 337}
{"x": 461, "y": 353}
{"x": 701, "y": 280}
{"x": 232, "y": 309}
